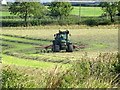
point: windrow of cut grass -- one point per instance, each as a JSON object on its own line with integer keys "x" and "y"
{"x": 6, "y": 46}
{"x": 10, "y": 60}
{"x": 25, "y": 40}
{"x": 38, "y": 58}
{"x": 25, "y": 37}
{"x": 22, "y": 44}
{"x": 16, "y": 46}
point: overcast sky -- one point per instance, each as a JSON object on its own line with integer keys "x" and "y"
{"x": 50, "y": 0}
{"x": 41, "y": 0}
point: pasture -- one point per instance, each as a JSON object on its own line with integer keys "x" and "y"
{"x": 87, "y": 11}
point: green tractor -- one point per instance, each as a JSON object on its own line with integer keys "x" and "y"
{"x": 62, "y": 42}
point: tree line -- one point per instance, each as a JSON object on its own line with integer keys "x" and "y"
{"x": 58, "y": 10}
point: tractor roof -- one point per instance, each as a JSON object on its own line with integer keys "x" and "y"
{"x": 64, "y": 32}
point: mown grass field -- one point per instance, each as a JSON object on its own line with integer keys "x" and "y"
{"x": 85, "y": 11}
{"x": 95, "y": 41}
{"x": 19, "y": 54}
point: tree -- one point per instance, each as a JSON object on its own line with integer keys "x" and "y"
{"x": 60, "y": 9}
{"x": 26, "y": 9}
{"x": 118, "y": 8}
{"x": 110, "y": 8}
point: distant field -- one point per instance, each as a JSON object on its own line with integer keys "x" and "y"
{"x": 5, "y": 13}
{"x": 85, "y": 11}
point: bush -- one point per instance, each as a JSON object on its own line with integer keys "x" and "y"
{"x": 86, "y": 73}
{"x": 13, "y": 79}
{"x": 104, "y": 22}
{"x": 117, "y": 65}
{"x": 91, "y": 22}
{"x": 71, "y": 20}
{"x": 12, "y": 23}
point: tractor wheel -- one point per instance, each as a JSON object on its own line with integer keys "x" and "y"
{"x": 69, "y": 48}
{"x": 56, "y": 48}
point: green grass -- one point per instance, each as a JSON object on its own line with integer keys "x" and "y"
{"x": 17, "y": 47}
{"x": 10, "y": 60}
{"x": 26, "y": 40}
{"x": 87, "y": 11}
{"x": 5, "y": 13}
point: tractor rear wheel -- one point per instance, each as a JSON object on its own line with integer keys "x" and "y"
{"x": 69, "y": 48}
{"x": 56, "y": 48}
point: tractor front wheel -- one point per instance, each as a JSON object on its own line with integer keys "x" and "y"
{"x": 56, "y": 48}
{"x": 69, "y": 48}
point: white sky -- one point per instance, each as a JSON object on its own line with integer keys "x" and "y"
{"x": 45, "y": 0}
{"x": 26, "y": 0}
{"x": 3, "y": 2}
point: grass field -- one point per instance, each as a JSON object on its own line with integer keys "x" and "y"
{"x": 20, "y": 55}
{"x": 85, "y": 11}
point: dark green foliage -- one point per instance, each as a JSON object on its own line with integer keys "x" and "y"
{"x": 87, "y": 73}
{"x": 71, "y": 20}
{"x": 91, "y": 22}
{"x": 96, "y": 21}
{"x": 104, "y": 22}
{"x": 117, "y": 65}
{"x": 118, "y": 8}
{"x": 12, "y": 23}
{"x": 109, "y": 8}
{"x": 10, "y": 17}
{"x": 60, "y": 9}
{"x": 13, "y": 79}
{"x": 27, "y": 9}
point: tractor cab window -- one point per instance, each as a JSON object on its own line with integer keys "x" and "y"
{"x": 63, "y": 36}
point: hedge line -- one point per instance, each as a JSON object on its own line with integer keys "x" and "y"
{"x": 72, "y": 20}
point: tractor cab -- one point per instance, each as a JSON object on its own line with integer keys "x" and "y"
{"x": 62, "y": 35}
{"x": 61, "y": 42}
